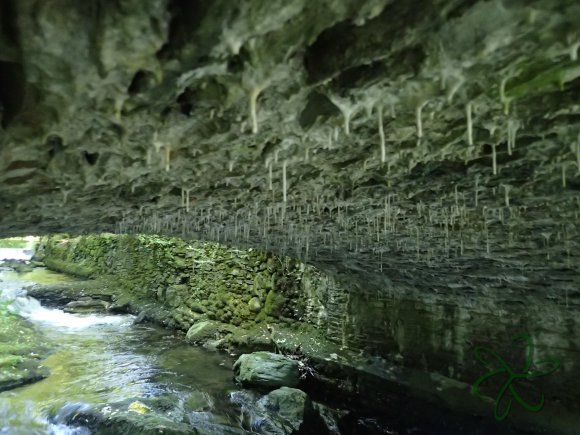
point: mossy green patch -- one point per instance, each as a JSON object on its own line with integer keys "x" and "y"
{"x": 274, "y": 303}
{"x": 20, "y": 349}
{"x": 14, "y": 242}
{"x": 552, "y": 78}
{"x": 10, "y": 360}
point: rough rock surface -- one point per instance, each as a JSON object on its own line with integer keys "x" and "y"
{"x": 144, "y": 121}
{"x": 282, "y": 411}
{"x": 377, "y": 346}
{"x": 426, "y": 151}
{"x": 266, "y": 369}
{"x": 203, "y": 331}
{"x": 287, "y": 408}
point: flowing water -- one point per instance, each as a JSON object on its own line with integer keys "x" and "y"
{"x": 101, "y": 359}
{"x": 97, "y": 361}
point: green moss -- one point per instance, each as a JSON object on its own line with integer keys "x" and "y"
{"x": 20, "y": 346}
{"x": 274, "y": 304}
{"x": 550, "y": 79}
{"x": 14, "y": 242}
{"x": 10, "y": 360}
{"x": 69, "y": 267}
{"x": 184, "y": 278}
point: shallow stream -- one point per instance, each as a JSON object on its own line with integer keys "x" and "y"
{"x": 100, "y": 359}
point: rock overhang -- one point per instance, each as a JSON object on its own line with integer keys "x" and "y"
{"x": 403, "y": 142}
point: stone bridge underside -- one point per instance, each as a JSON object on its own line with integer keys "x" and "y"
{"x": 428, "y": 146}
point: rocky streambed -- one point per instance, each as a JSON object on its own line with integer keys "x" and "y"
{"x": 111, "y": 372}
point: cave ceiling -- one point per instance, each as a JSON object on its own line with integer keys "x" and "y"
{"x": 423, "y": 143}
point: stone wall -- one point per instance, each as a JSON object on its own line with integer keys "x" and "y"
{"x": 427, "y": 338}
{"x": 194, "y": 280}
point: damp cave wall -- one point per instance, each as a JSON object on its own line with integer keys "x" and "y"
{"x": 433, "y": 337}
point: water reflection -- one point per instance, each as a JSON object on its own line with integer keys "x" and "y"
{"x": 100, "y": 359}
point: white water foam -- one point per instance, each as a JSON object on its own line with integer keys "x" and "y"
{"x": 15, "y": 254}
{"x": 31, "y": 309}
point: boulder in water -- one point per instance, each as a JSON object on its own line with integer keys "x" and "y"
{"x": 86, "y": 306}
{"x": 205, "y": 330}
{"x": 266, "y": 369}
{"x": 282, "y": 411}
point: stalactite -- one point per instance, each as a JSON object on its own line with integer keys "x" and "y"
{"x": 346, "y": 108}
{"x": 284, "y": 183}
{"x": 167, "y": 157}
{"x": 564, "y": 175}
{"x": 456, "y": 86}
{"x": 330, "y": 139}
{"x": 468, "y": 109}
{"x": 546, "y": 237}
{"x": 512, "y": 129}
{"x": 494, "y": 158}
{"x": 505, "y": 101}
{"x": 487, "y": 246}
{"x": 253, "y": 98}
{"x": 393, "y": 111}
{"x": 381, "y": 134}
{"x": 578, "y": 155}
{"x": 506, "y": 189}
{"x": 419, "y": 120}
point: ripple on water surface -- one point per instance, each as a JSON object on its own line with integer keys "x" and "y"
{"x": 101, "y": 359}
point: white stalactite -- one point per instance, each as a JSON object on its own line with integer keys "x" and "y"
{"x": 253, "y": 98}
{"x": 502, "y": 97}
{"x": 512, "y": 129}
{"x": 456, "y": 86}
{"x": 382, "y": 134}
{"x": 284, "y": 181}
{"x": 419, "y": 118}
{"x": 564, "y": 175}
{"x": 167, "y": 157}
{"x": 578, "y": 155}
{"x": 506, "y": 190}
{"x": 468, "y": 110}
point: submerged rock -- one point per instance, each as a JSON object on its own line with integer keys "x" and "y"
{"x": 128, "y": 417}
{"x": 63, "y": 293}
{"x": 20, "y": 266}
{"x": 282, "y": 411}
{"x": 266, "y": 369}
{"x": 21, "y": 352}
{"x": 88, "y": 305}
{"x": 286, "y": 410}
{"x": 204, "y": 331}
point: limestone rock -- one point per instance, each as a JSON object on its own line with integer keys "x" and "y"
{"x": 83, "y": 306}
{"x": 204, "y": 331}
{"x": 282, "y": 411}
{"x": 255, "y": 305}
{"x": 266, "y": 369}
{"x": 286, "y": 410}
